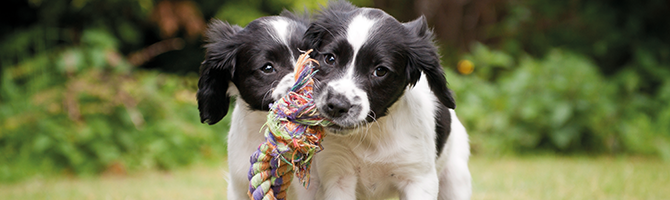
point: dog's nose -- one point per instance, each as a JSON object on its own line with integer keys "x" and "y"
{"x": 337, "y": 106}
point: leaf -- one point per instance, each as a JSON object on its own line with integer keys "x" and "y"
{"x": 564, "y": 136}
{"x": 41, "y": 144}
{"x": 98, "y": 38}
{"x": 239, "y": 13}
{"x": 71, "y": 61}
{"x": 561, "y": 114}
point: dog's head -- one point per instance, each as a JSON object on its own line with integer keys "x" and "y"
{"x": 255, "y": 59}
{"x": 368, "y": 59}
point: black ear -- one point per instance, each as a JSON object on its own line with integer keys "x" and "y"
{"x": 216, "y": 71}
{"x": 423, "y": 57}
{"x": 313, "y": 37}
{"x": 419, "y": 27}
{"x": 324, "y": 27}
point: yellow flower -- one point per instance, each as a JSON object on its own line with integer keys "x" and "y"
{"x": 466, "y": 67}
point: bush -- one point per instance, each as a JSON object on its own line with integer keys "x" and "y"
{"x": 560, "y": 103}
{"x": 80, "y": 110}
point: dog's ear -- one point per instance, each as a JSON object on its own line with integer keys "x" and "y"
{"x": 419, "y": 27}
{"x": 216, "y": 71}
{"x": 423, "y": 57}
{"x": 313, "y": 37}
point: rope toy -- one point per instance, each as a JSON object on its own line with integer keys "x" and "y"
{"x": 294, "y": 130}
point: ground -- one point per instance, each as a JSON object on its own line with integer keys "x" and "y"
{"x": 546, "y": 177}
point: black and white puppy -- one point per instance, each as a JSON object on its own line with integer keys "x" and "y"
{"x": 255, "y": 64}
{"x": 395, "y": 131}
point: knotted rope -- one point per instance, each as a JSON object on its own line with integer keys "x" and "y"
{"x": 293, "y": 136}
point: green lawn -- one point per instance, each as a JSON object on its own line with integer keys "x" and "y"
{"x": 570, "y": 178}
{"x": 501, "y": 178}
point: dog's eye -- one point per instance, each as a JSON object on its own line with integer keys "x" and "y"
{"x": 380, "y": 71}
{"x": 268, "y": 68}
{"x": 329, "y": 59}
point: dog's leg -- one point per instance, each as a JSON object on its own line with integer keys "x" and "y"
{"x": 421, "y": 187}
{"x": 455, "y": 179}
{"x": 342, "y": 187}
{"x": 301, "y": 193}
{"x": 243, "y": 139}
{"x": 238, "y": 165}
{"x": 335, "y": 172}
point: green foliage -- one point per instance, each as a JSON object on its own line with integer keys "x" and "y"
{"x": 616, "y": 35}
{"x": 79, "y": 109}
{"x": 242, "y": 12}
{"x": 559, "y": 103}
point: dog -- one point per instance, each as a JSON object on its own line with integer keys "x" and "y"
{"x": 394, "y": 130}
{"x": 255, "y": 64}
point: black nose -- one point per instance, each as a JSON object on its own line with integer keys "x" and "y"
{"x": 337, "y": 106}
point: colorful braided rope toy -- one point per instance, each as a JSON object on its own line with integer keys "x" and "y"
{"x": 294, "y": 130}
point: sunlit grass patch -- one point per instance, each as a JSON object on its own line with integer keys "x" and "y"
{"x": 570, "y": 178}
{"x": 545, "y": 177}
{"x": 198, "y": 182}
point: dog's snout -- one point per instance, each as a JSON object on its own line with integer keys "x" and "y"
{"x": 343, "y": 103}
{"x": 337, "y": 106}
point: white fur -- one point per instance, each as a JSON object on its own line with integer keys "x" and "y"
{"x": 282, "y": 32}
{"x": 283, "y": 86}
{"x": 281, "y": 29}
{"x": 357, "y": 33}
{"x": 455, "y": 180}
{"x": 244, "y": 137}
{"x": 395, "y": 156}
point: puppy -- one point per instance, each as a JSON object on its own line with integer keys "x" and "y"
{"x": 394, "y": 130}
{"x": 258, "y": 60}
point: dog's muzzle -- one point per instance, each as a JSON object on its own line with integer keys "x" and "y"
{"x": 345, "y": 108}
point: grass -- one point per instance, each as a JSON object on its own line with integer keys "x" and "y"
{"x": 501, "y": 178}
{"x": 570, "y": 178}
{"x": 197, "y": 182}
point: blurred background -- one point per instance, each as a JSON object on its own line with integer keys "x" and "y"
{"x": 97, "y": 88}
